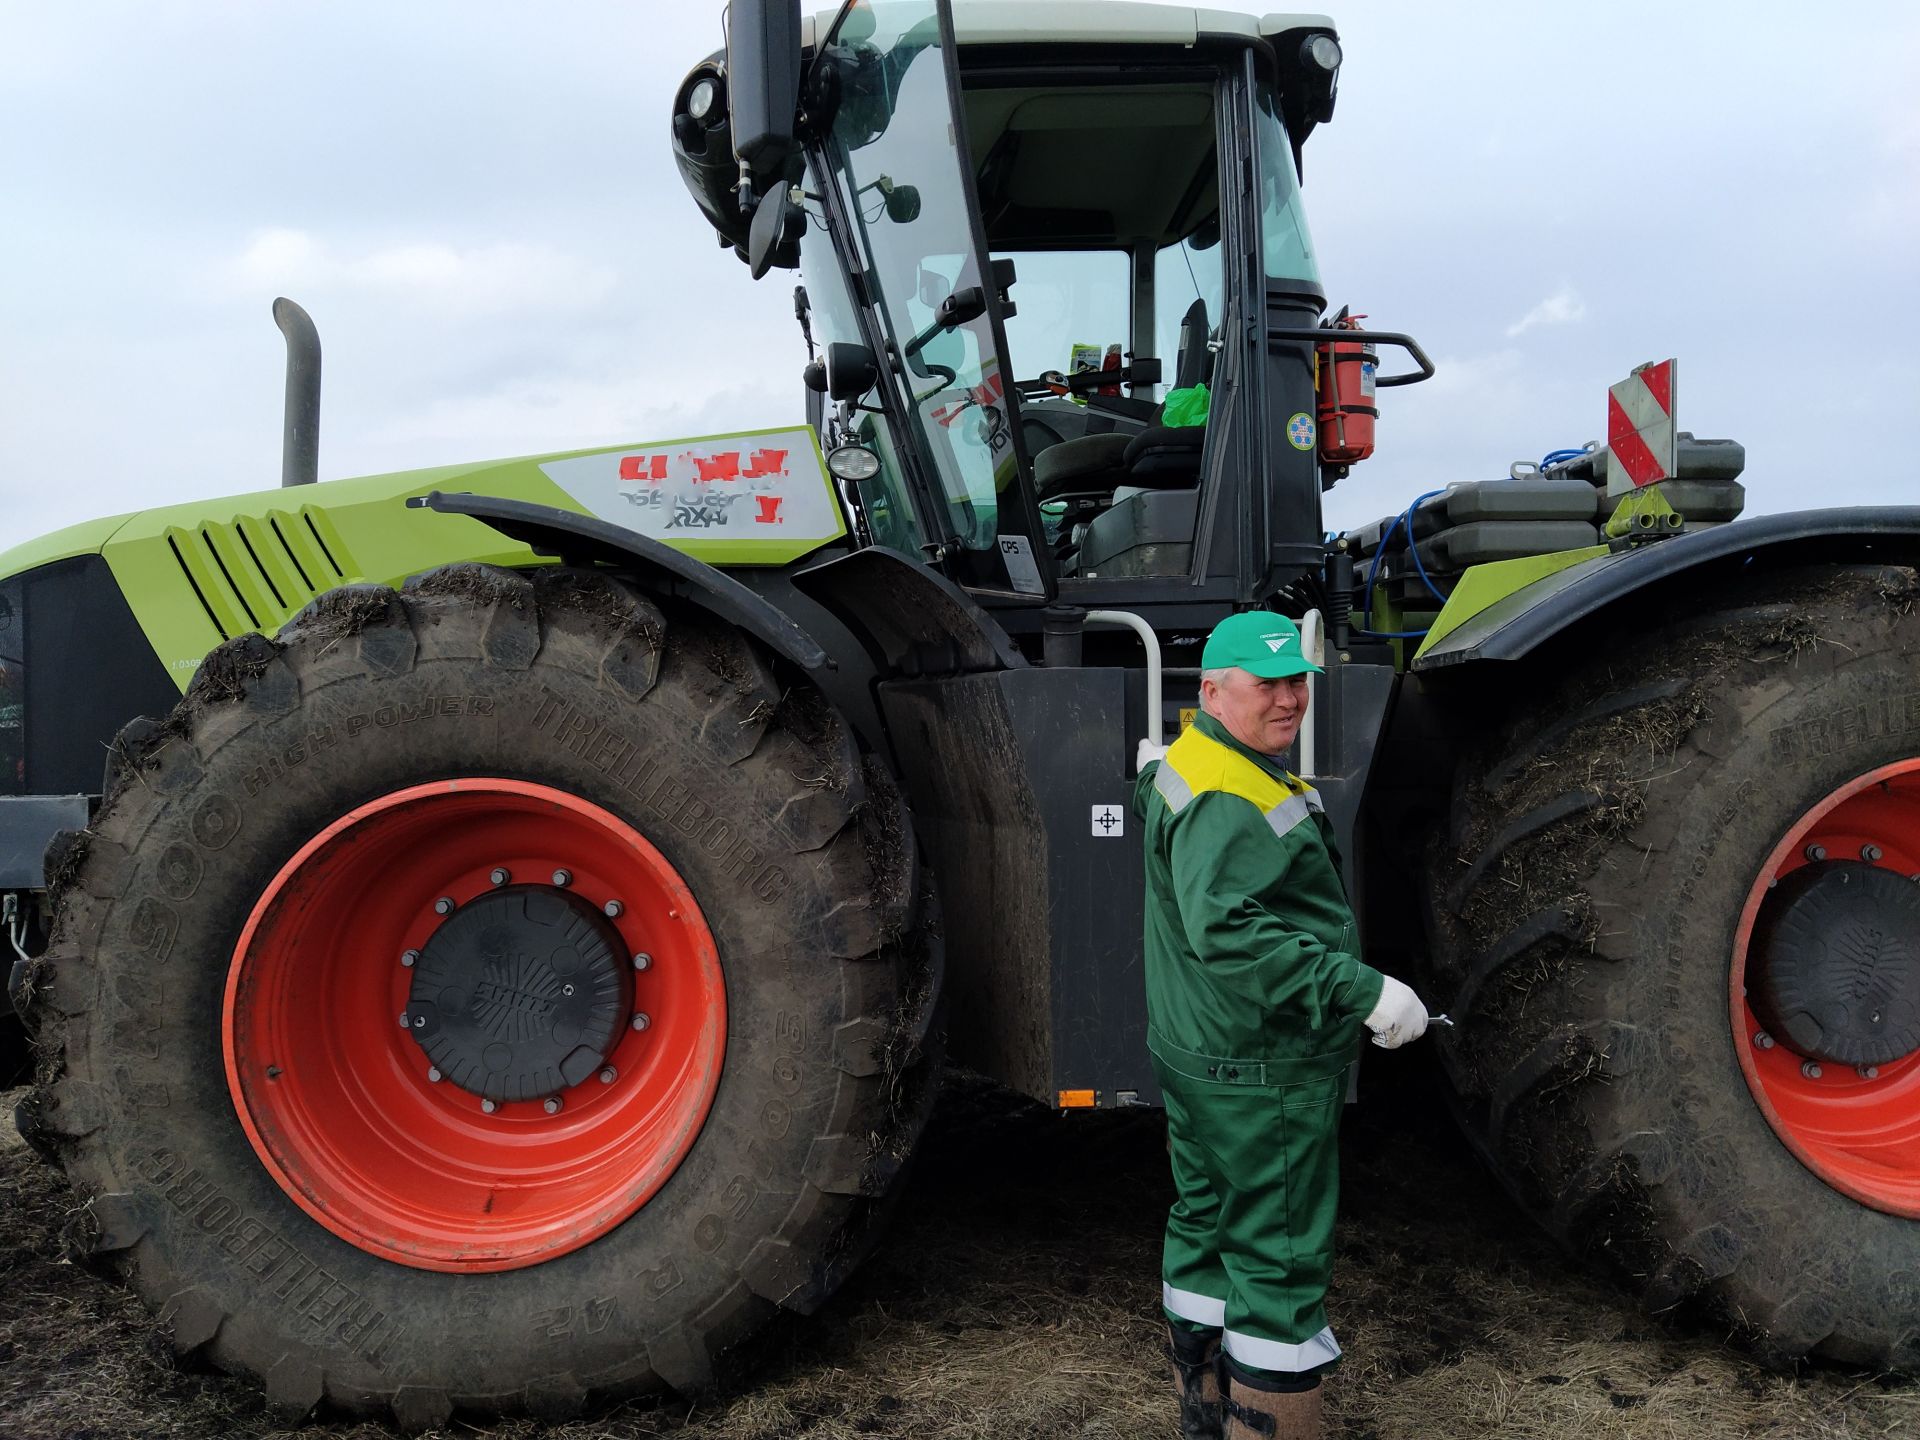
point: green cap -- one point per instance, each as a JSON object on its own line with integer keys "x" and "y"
{"x": 1258, "y": 642}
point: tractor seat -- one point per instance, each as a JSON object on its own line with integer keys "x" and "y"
{"x": 1160, "y": 457}
{"x": 1089, "y": 462}
{"x": 1164, "y": 457}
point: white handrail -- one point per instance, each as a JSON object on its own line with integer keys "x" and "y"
{"x": 1313, "y": 645}
{"x": 1152, "y": 641}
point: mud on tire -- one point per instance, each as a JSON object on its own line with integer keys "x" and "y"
{"x": 827, "y": 943}
{"x": 1583, "y": 913}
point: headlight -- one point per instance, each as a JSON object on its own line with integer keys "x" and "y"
{"x": 853, "y": 462}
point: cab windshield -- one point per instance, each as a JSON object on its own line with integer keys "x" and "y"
{"x": 896, "y": 162}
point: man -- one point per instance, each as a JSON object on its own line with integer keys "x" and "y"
{"x": 1256, "y": 999}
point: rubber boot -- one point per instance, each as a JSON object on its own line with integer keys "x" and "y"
{"x": 1274, "y": 1414}
{"x": 1196, "y": 1383}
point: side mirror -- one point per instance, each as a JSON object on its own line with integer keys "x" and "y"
{"x": 851, "y": 370}
{"x": 774, "y": 237}
{"x": 903, "y": 204}
{"x": 763, "y": 80}
{"x": 961, "y": 306}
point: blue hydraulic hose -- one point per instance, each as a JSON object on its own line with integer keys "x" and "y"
{"x": 1366, "y": 613}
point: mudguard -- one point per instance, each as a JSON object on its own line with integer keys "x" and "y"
{"x": 581, "y": 539}
{"x": 1519, "y": 622}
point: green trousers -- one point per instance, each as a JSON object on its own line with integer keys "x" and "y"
{"x": 1249, "y": 1244}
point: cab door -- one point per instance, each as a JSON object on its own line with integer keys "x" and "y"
{"x": 890, "y": 157}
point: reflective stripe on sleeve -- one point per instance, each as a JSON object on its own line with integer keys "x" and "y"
{"x": 1173, "y": 789}
{"x": 1279, "y": 1356}
{"x": 1289, "y": 813}
{"x": 1200, "y": 1309}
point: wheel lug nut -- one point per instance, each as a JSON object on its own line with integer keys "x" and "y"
{"x": 608, "y": 1074}
{"x": 1870, "y": 853}
{"x": 433, "y": 1074}
{"x": 443, "y": 906}
{"x": 1763, "y": 1041}
{"x": 1867, "y": 1072}
{"x": 614, "y": 909}
{"x": 566, "y": 989}
{"x": 1816, "y": 852}
{"x": 407, "y": 957}
{"x": 405, "y": 1020}
{"x": 643, "y": 961}
{"x": 419, "y": 1022}
{"x": 487, "y": 1107}
{"x": 499, "y": 875}
{"x": 552, "y": 1104}
{"x": 1810, "y": 1069}
{"x": 642, "y": 1021}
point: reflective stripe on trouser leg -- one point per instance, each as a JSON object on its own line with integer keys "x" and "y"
{"x": 1193, "y": 1286}
{"x": 1271, "y": 1157}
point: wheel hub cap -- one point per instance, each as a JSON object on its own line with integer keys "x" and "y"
{"x": 521, "y": 993}
{"x": 1838, "y": 946}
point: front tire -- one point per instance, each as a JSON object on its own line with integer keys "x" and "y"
{"x": 347, "y": 1243}
{"x": 1592, "y": 918}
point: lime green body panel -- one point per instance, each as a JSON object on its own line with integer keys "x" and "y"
{"x": 86, "y": 538}
{"x": 1482, "y": 585}
{"x": 199, "y": 573}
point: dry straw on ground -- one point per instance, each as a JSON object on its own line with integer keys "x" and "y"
{"x": 1016, "y": 1296}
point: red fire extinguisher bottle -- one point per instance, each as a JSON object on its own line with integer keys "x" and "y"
{"x": 1346, "y": 398}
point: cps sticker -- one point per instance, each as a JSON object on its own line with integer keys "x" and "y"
{"x": 1300, "y": 431}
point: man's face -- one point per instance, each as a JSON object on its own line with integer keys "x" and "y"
{"x": 1262, "y": 715}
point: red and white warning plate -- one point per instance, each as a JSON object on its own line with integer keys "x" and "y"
{"x": 1641, "y": 441}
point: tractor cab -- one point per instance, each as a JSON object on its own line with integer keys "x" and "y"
{"x": 1057, "y": 280}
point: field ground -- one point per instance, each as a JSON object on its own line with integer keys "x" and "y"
{"x": 1016, "y": 1296}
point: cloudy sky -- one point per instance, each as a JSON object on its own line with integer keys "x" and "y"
{"x": 476, "y": 202}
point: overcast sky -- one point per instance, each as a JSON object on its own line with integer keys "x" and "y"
{"x": 477, "y": 203}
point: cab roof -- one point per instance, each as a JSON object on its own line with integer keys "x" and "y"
{"x": 1092, "y": 22}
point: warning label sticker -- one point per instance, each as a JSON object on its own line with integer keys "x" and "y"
{"x": 763, "y": 490}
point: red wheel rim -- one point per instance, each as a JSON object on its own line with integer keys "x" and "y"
{"x": 337, "y": 1098}
{"x": 1860, "y": 1133}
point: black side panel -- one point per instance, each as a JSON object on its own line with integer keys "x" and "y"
{"x": 1074, "y": 727}
{"x": 88, "y": 670}
{"x": 1021, "y": 788}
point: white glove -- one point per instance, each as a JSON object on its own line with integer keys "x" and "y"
{"x": 1398, "y": 1018}
{"x": 1147, "y": 754}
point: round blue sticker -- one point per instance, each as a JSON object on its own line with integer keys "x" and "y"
{"x": 1300, "y": 431}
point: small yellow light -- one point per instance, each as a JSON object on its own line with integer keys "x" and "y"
{"x": 1078, "y": 1099}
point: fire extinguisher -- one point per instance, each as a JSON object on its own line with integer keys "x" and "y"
{"x": 1347, "y": 411}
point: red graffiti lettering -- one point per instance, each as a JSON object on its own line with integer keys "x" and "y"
{"x": 766, "y": 462}
{"x": 643, "y": 467}
{"x": 769, "y": 510}
{"x": 724, "y": 466}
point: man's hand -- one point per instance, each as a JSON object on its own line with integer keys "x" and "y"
{"x": 1398, "y": 1018}
{"x": 1147, "y": 754}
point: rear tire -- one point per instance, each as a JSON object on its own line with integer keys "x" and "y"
{"x": 797, "y": 851}
{"x": 1585, "y": 917}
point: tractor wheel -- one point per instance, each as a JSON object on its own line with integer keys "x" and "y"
{"x": 1678, "y": 922}
{"x": 497, "y": 995}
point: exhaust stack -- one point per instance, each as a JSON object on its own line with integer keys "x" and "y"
{"x": 300, "y": 432}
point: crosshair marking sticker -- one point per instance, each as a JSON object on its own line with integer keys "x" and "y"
{"x": 1109, "y": 821}
{"x": 1300, "y": 431}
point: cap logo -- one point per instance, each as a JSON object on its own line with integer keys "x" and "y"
{"x": 1276, "y": 643}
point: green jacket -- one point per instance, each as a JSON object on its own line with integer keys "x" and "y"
{"x": 1251, "y": 965}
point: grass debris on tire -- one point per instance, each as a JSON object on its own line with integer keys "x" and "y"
{"x": 1676, "y": 917}
{"x": 496, "y": 995}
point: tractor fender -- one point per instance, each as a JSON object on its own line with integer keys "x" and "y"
{"x": 583, "y": 540}
{"x": 1519, "y": 622}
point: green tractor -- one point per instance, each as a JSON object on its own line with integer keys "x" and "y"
{"x": 511, "y": 950}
